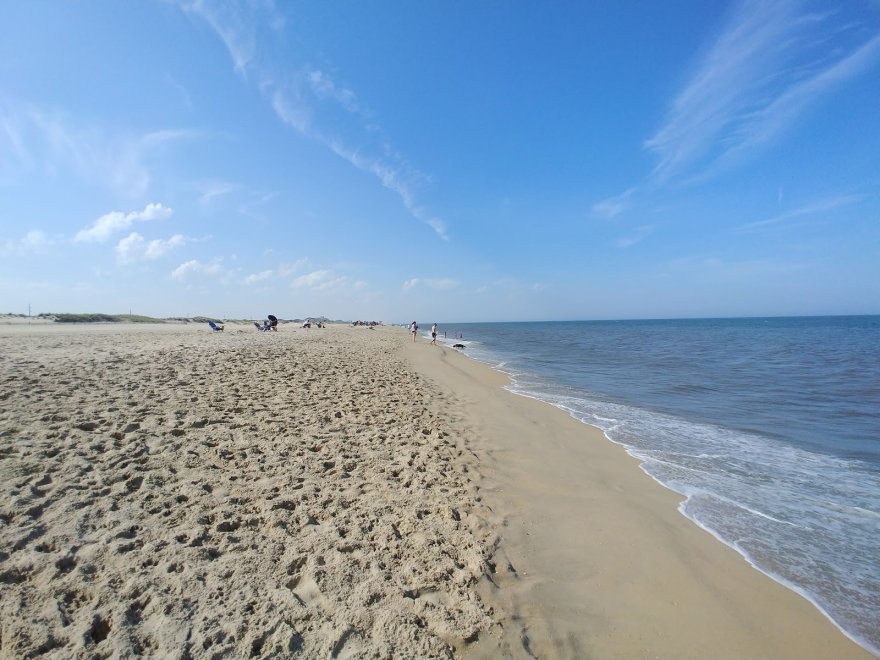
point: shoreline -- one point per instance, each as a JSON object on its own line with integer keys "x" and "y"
{"x": 341, "y": 492}
{"x": 640, "y": 461}
{"x": 745, "y": 611}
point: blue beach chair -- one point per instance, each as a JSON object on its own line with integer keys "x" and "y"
{"x": 215, "y": 327}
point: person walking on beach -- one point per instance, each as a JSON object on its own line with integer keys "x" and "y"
{"x": 413, "y": 328}
{"x": 434, "y": 334}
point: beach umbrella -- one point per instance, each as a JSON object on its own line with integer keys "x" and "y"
{"x": 272, "y": 318}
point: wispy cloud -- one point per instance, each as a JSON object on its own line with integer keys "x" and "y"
{"x": 716, "y": 268}
{"x": 763, "y": 70}
{"x": 815, "y": 208}
{"x": 211, "y": 190}
{"x": 110, "y": 223}
{"x": 35, "y": 139}
{"x": 181, "y": 90}
{"x": 135, "y": 247}
{"x": 286, "y": 269}
{"x": 639, "y": 234}
{"x": 313, "y": 279}
{"x": 293, "y": 108}
{"x": 769, "y": 64}
{"x": 771, "y": 121}
{"x": 250, "y": 208}
{"x": 392, "y": 177}
{"x": 237, "y": 25}
{"x": 614, "y": 206}
{"x": 324, "y": 281}
{"x": 441, "y": 284}
{"x": 262, "y": 276}
{"x": 283, "y": 271}
{"x": 324, "y": 88}
{"x": 312, "y": 101}
{"x": 510, "y": 288}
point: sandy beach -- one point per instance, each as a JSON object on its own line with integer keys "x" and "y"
{"x": 172, "y": 492}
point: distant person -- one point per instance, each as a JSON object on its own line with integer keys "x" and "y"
{"x": 413, "y": 328}
{"x": 434, "y": 334}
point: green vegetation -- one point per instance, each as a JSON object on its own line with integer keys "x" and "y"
{"x": 102, "y": 318}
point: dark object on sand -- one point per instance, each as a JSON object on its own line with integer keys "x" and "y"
{"x": 272, "y": 318}
{"x": 458, "y": 346}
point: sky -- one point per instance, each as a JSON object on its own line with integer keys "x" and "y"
{"x": 440, "y": 161}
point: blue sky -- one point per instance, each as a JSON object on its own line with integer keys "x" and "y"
{"x": 448, "y": 161}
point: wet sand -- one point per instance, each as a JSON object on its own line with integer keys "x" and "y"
{"x": 595, "y": 560}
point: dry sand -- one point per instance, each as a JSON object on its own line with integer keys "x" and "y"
{"x": 174, "y": 493}
{"x": 171, "y": 492}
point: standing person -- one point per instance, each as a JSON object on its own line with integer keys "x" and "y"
{"x": 434, "y": 334}
{"x": 413, "y": 328}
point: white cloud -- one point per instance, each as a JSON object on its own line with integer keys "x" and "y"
{"x": 115, "y": 221}
{"x": 196, "y": 267}
{"x": 286, "y": 269}
{"x": 33, "y": 241}
{"x": 333, "y": 284}
{"x": 323, "y": 281}
{"x": 810, "y": 209}
{"x": 135, "y": 248}
{"x": 258, "y": 277}
{"x": 313, "y": 279}
{"x": 443, "y": 284}
{"x": 157, "y": 248}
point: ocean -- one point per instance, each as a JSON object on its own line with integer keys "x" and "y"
{"x": 770, "y": 428}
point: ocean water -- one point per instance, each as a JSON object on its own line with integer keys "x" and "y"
{"x": 770, "y": 427}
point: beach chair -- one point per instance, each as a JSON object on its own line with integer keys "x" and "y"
{"x": 215, "y": 327}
